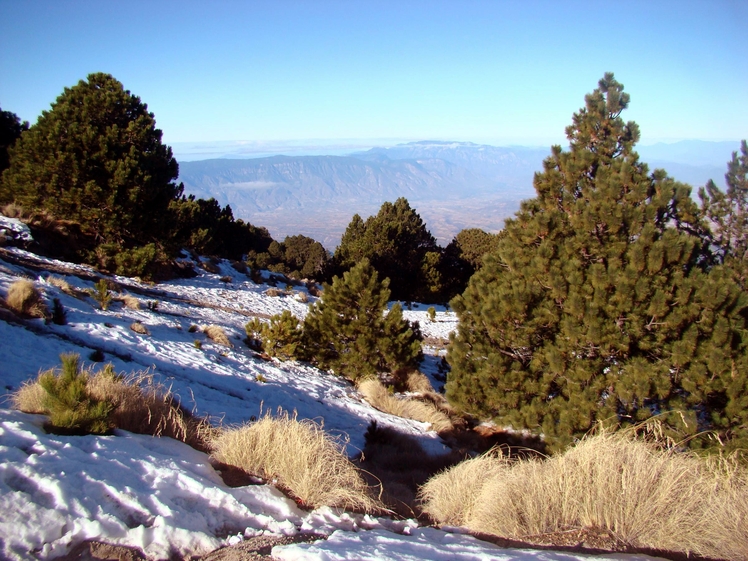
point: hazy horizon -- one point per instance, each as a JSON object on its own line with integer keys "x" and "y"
{"x": 482, "y": 71}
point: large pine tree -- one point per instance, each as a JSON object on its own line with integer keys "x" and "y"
{"x": 598, "y": 304}
{"x": 96, "y": 158}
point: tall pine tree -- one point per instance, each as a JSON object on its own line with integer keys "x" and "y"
{"x": 597, "y": 304}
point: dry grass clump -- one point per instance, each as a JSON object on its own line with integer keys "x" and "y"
{"x": 418, "y": 382}
{"x": 26, "y": 300}
{"x": 300, "y": 457}
{"x": 128, "y": 301}
{"x": 138, "y": 327}
{"x": 216, "y": 334}
{"x": 643, "y": 495}
{"x": 29, "y": 398}
{"x": 377, "y": 395}
{"x": 138, "y": 404}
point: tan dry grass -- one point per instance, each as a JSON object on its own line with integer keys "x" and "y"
{"x": 26, "y": 300}
{"x": 644, "y": 495}
{"x": 29, "y": 398}
{"x": 128, "y": 301}
{"x": 139, "y": 405}
{"x": 138, "y": 327}
{"x": 377, "y": 395}
{"x": 300, "y": 457}
{"x": 145, "y": 407}
{"x": 216, "y": 334}
{"x": 418, "y": 382}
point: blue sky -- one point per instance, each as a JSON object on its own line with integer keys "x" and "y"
{"x": 499, "y": 72}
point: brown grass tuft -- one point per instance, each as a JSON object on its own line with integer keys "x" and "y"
{"x": 301, "y": 457}
{"x": 138, "y": 327}
{"x": 643, "y": 495}
{"x": 26, "y": 300}
{"x": 418, "y": 382}
{"x": 29, "y": 398}
{"x": 216, "y": 334}
{"x": 128, "y": 301}
{"x": 138, "y": 405}
{"x": 377, "y": 395}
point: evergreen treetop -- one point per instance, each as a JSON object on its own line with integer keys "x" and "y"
{"x": 96, "y": 158}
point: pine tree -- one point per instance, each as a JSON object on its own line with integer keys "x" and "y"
{"x": 398, "y": 245}
{"x": 597, "y": 304}
{"x": 727, "y": 214}
{"x": 96, "y": 158}
{"x": 11, "y": 128}
{"x": 349, "y": 332}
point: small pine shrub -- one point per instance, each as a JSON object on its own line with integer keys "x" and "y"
{"x": 72, "y": 410}
{"x": 102, "y": 294}
{"x": 260, "y": 378}
{"x": 152, "y": 305}
{"x": 198, "y": 344}
{"x": 432, "y": 314}
{"x": 280, "y": 338}
{"x": 216, "y": 334}
{"x": 97, "y": 356}
{"x": 139, "y": 328}
{"x": 25, "y": 299}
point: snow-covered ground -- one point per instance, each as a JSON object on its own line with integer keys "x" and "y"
{"x": 161, "y": 495}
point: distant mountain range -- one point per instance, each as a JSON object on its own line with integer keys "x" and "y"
{"x": 453, "y": 185}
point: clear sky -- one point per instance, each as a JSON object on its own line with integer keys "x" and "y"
{"x": 485, "y": 71}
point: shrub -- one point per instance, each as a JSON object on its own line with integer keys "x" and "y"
{"x": 101, "y": 293}
{"x": 301, "y": 457}
{"x": 418, "y": 383}
{"x": 198, "y": 344}
{"x": 377, "y": 395}
{"x": 281, "y": 337}
{"x": 642, "y": 494}
{"x": 63, "y": 285}
{"x": 72, "y": 410}
{"x": 274, "y": 292}
{"x": 25, "y": 299}
{"x": 216, "y": 334}
{"x": 432, "y": 313}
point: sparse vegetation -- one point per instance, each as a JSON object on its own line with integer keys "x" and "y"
{"x": 128, "y": 301}
{"x": 301, "y": 457}
{"x": 641, "y": 493}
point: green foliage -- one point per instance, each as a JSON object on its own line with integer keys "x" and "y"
{"x": 11, "y": 128}
{"x": 349, "y": 332}
{"x": 71, "y": 409}
{"x": 432, "y": 313}
{"x": 399, "y": 247}
{"x": 101, "y": 294}
{"x": 298, "y": 257}
{"x": 597, "y": 304}
{"x": 280, "y": 338}
{"x": 727, "y": 214}
{"x": 96, "y": 158}
{"x": 463, "y": 256}
{"x": 203, "y": 226}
